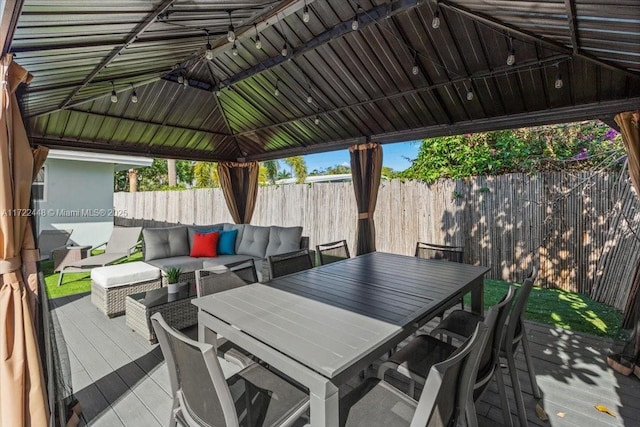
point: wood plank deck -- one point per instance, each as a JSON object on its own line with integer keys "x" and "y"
{"x": 120, "y": 379}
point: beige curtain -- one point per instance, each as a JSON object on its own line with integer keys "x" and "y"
{"x": 239, "y": 182}
{"x": 366, "y": 168}
{"x": 22, "y": 394}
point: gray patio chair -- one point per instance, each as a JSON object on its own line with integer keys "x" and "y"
{"x": 202, "y": 396}
{"x": 216, "y": 279}
{"x": 121, "y": 244}
{"x": 332, "y": 252}
{"x": 414, "y": 359}
{"x": 459, "y": 324}
{"x": 291, "y": 262}
{"x": 48, "y": 240}
{"x": 445, "y": 253}
{"x": 446, "y": 400}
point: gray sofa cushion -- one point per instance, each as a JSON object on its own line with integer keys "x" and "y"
{"x": 254, "y": 241}
{"x": 240, "y": 228}
{"x": 283, "y": 240}
{"x": 193, "y": 229}
{"x": 224, "y": 259}
{"x": 185, "y": 263}
{"x": 165, "y": 242}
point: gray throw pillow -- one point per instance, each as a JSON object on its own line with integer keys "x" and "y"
{"x": 254, "y": 241}
{"x": 283, "y": 240}
{"x": 165, "y": 242}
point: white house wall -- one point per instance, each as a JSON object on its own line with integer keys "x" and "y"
{"x": 78, "y": 196}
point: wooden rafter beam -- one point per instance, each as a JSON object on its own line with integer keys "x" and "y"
{"x": 477, "y": 76}
{"x": 10, "y": 14}
{"x": 365, "y": 19}
{"x": 141, "y": 28}
{"x": 559, "y": 47}
{"x": 570, "y": 7}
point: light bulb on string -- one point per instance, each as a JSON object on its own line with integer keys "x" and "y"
{"x": 317, "y": 120}
{"x": 234, "y": 49}
{"x": 180, "y": 78}
{"x": 276, "y": 92}
{"x": 470, "y": 94}
{"x": 114, "y": 96}
{"x": 558, "y": 83}
{"x": 258, "y": 42}
{"x": 305, "y": 13}
{"x": 511, "y": 58}
{"x": 209, "y": 52}
{"x": 284, "y": 51}
{"x": 355, "y": 24}
{"x": 134, "y": 95}
{"x": 435, "y": 23}
{"x": 309, "y": 99}
{"x": 231, "y": 34}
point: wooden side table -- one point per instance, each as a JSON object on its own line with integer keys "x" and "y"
{"x": 67, "y": 254}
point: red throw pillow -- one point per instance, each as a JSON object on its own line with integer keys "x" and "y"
{"x": 205, "y": 245}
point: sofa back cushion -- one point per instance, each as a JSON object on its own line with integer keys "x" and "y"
{"x": 240, "y": 228}
{"x": 254, "y": 241}
{"x": 192, "y": 229}
{"x": 283, "y": 240}
{"x": 165, "y": 242}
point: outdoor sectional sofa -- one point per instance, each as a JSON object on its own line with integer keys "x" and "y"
{"x": 171, "y": 246}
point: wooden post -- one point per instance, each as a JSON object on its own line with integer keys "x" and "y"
{"x": 133, "y": 180}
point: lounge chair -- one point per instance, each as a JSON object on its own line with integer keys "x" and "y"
{"x": 48, "y": 240}
{"x": 121, "y": 245}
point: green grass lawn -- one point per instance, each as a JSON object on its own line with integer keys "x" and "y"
{"x": 559, "y": 308}
{"x": 563, "y": 309}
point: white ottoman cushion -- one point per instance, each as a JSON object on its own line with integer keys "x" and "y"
{"x": 124, "y": 274}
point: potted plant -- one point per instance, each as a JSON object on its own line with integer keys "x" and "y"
{"x": 173, "y": 277}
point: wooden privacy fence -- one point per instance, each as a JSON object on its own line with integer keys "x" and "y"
{"x": 579, "y": 228}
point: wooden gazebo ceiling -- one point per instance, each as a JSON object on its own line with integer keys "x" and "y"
{"x": 360, "y": 82}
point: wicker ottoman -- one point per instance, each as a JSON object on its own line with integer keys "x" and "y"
{"x": 111, "y": 284}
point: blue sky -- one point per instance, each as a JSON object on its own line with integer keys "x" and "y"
{"x": 393, "y": 156}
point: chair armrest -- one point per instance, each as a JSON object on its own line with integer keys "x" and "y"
{"x": 304, "y": 242}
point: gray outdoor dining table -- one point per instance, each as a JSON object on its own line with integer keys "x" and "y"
{"x": 324, "y": 325}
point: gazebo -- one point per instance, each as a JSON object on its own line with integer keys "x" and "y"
{"x": 241, "y": 82}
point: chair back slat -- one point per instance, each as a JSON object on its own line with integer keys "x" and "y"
{"x": 246, "y": 270}
{"x": 289, "y": 263}
{"x": 332, "y": 252}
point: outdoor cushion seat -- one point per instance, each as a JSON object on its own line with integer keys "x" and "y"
{"x": 123, "y": 274}
{"x": 110, "y": 285}
{"x": 185, "y": 263}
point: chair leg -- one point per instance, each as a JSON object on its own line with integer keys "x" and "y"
{"x": 532, "y": 373}
{"x": 470, "y": 414}
{"x": 504, "y": 403}
{"x": 517, "y": 390}
{"x": 60, "y": 276}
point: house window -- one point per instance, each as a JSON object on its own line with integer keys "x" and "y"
{"x": 38, "y": 189}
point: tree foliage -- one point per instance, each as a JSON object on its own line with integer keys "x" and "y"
{"x": 273, "y": 171}
{"x": 156, "y": 176}
{"x": 584, "y": 145}
{"x": 206, "y": 175}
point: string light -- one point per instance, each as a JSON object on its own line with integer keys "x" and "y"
{"x": 355, "y": 24}
{"x": 511, "y": 59}
{"x": 435, "y": 23}
{"x": 209, "y": 52}
{"x": 558, "y": 83}
{"x": 134, "y": 95}
{"x": 309, "y": 99}
{"x": 284, "y": 51}
{"x": 415, "y": 69}
{"x": 276, "y": 92}
{"x": 114, "y": 96}
{"x": 317, "y": 120}
{"x": 258, "y": 42}
{"x": 305, "y": 13}
{"x": 470, "y": 94}
{"x": 218, "y": 92}
{"x": 231, "y": 34}
{"x": 234, "y": 49}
